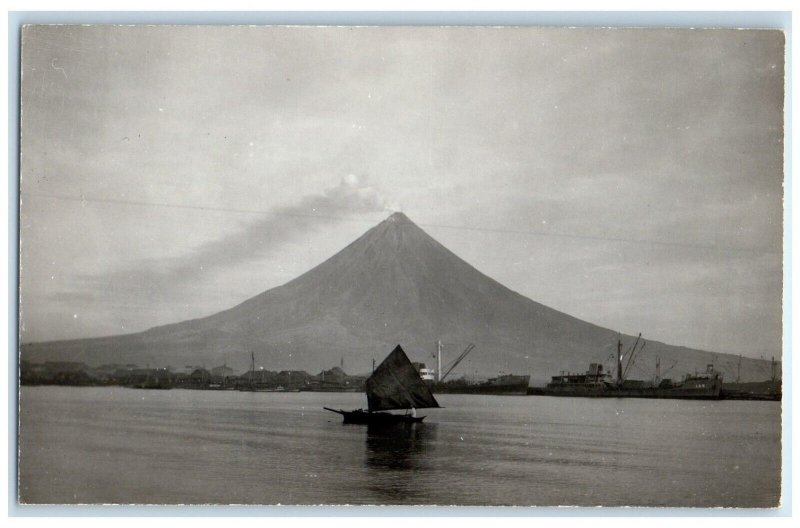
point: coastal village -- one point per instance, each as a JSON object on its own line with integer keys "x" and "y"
{"x": 221, "y": 377}
{"x": 224, "y": 377}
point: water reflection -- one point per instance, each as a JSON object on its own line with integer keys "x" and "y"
{"x": 397, "y": 458}
{"x": 399, "y": 446}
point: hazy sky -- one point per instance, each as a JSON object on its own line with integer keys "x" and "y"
{"x": 631, "y": 178}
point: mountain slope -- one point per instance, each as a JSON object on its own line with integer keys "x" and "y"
{"x": 394, "y": 284}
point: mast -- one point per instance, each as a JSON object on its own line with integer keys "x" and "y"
{"x": 631, "y": 353}
{"x": 439, "y": 360}
{"x": 252, "y": 366}
{"x": 658, "y": 372}
{"x": 619, "y": 361}
{"x": 739, "y": 369}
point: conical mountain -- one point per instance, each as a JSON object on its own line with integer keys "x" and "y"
{"x": 394, "y": 284}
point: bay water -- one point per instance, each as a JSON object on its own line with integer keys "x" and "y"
{"x": 113, "y": 445}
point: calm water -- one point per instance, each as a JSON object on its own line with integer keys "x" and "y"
{"x": 115, "y": 445}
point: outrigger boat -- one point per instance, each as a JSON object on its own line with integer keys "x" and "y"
{"x": 394, "y": 385}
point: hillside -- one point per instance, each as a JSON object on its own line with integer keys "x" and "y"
{"x": 394, "y": 284}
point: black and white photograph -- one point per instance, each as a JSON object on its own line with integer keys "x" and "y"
{"x": 401, "y": 266}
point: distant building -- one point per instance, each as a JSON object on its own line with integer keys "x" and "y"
{"x": 182, "y": 374}
{"x": 200, "y": 375}
{"x": 223, "y": 371}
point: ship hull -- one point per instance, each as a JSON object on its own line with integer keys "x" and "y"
{"x": 519, "y": 389}
{"x": 362, "y": 417}
{"x": 711, "y": 391}
{"x": 511, "y": 385}
{"x": 759, "y": 390}
{"x": 643, "y": 393}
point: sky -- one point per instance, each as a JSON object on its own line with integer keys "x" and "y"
{"x": 630, "y": 178}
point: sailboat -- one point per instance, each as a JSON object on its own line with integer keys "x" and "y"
{"x": 395, "y": 384}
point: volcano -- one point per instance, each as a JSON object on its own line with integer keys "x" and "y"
{"x": 393, "y": 285}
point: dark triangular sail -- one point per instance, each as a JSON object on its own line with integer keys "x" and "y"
{"x": 396, "y": 384}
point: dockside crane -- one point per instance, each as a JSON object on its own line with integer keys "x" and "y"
{"x": 632, "y": 358}
{"x": 622, "y": 374}
{"x": 449, "y": 368}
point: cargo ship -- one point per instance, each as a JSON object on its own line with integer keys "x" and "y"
{"x": 597, "y": 383}
{"x": 508, "y": 384}
{"x": 504, "y": 384}
{"x": 769, "y": 390}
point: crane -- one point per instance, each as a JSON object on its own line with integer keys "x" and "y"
{"x": 621, "y": 374}
{"x": 632, "y": 357}
{"x": 449, "y": 368}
